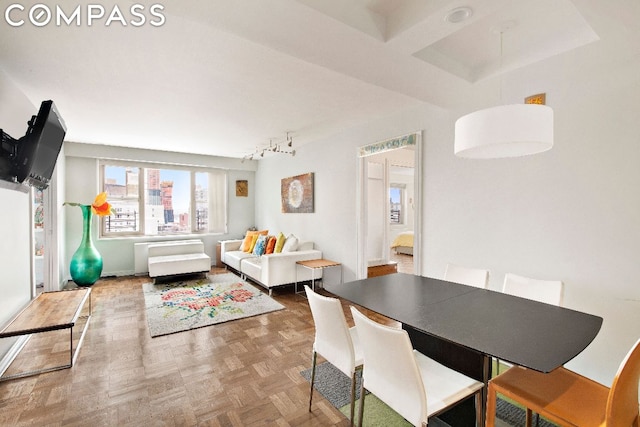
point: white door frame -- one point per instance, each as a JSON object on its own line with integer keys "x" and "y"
{"x": 51, "y": 275}
{"x": 361, "y": 206}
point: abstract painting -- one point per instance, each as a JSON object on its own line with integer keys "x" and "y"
{"x": 297, "y": 194}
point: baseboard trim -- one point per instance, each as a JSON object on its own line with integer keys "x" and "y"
{"x": 13, "y": 352}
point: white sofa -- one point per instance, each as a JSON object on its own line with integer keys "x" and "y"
{"x": 173, "y": 258}
{"x": 270, "y": 270}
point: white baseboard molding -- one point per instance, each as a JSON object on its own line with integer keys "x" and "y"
{"x": 13, "y": 352}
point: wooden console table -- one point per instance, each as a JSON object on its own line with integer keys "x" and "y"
{"x": 51, "y": 311}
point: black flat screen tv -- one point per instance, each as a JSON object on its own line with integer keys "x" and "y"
{"x": 33, "y": 157}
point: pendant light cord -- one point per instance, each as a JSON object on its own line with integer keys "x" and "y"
{"x": 501, "y": 70}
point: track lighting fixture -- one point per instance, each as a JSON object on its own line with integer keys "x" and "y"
{"x": 273, "y": 148}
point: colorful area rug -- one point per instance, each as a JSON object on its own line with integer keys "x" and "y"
{"x": 184, "y": 305}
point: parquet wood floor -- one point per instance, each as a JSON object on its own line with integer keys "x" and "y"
{"x": 405, "y": 262}
{"x": 241, "y": 373}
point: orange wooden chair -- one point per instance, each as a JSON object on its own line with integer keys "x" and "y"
{"x": 568, "y": 399}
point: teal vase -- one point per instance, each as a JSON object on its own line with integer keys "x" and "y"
{"x": 86, "y": 262}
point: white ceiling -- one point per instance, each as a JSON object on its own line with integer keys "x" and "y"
{"x": 222, "y": 77}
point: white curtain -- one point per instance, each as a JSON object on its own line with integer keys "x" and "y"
{"x": 218, "y": 202}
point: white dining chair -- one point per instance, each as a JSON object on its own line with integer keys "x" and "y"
{"x": 467, "y": 276}
{"x": 547, "y": 291}
{"x": 410, "y": 383}
{"x": 334, "y": 340}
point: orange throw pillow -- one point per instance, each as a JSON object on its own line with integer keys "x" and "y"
{"x": 271, "y": 245}
{"x": 249, "y": 241}
{"x": 246, "y": 243}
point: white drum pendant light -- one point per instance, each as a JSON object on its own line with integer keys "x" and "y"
{"x": 504, "y": 131}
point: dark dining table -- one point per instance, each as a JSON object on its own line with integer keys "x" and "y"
{"x": 463, "y": 327}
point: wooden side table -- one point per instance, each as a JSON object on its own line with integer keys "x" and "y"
{"x": 382, "y": 269}
{"x": 219, "y": 263}
{"x": 51, "y": 311}
{"x": 315, "y": 265}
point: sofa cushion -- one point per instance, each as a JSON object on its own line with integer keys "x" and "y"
{"x": 280, "y": 242}
{"x": 178, "y": 257}
{"x": 249, "y": 240}
{"x": 271, "y": 245}
{"x": 279, "y": 269}
{"x": 234, "y": 258}
{"x": 169, "y": 265}
{"x": 176, "y": 248}
{"x": 246, "y": 242}
{"x": 254, "y": 239}
{"x": 261, "y": 245}
{"x": 305, "y": 246}
{"x": 252, "y": 267}
{"x": 291, "y": 244}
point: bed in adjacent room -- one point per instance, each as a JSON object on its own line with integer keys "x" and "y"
{"x": 403, "y": 243}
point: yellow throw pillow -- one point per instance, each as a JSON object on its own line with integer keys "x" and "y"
{"x": 254, "y": 239}
{"x": 280, "y": 243}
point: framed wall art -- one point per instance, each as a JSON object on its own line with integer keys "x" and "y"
{"x": 242, "y": 188}
{"x": 297, "y": 194}
{"x": 540, "y": 99}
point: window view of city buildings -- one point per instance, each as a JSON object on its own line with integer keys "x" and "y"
{"x": 166, "y": 195}
{"x": 395, "y": 200}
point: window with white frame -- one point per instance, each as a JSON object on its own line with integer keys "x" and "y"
{"x": 396, "y": 203}
{"x": 154, "y": 200}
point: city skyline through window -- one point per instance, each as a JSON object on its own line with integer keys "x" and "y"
{"x": 154, "y": 201}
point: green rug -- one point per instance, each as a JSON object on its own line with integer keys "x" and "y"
{"x": 335, "y": 386}
{"x": 189, "y": 304}
{"x": 378, "y": 414}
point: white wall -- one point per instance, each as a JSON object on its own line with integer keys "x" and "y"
{"x": 57, "y": 189}
{"x": 335, "y": 163}
{"x": 15, "y": 221}
{"x": 81, "y": 166}
{"x": 572, "y": 213}
{"x": 15, "y": 263}
{"x": 376, "y": 203}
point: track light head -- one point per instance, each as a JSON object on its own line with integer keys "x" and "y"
{"x": 274, "y": 148}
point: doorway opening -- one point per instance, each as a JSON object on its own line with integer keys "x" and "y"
{"x": 389, "y": 205}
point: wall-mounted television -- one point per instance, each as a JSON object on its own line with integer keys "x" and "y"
{"x": 30, "y": 160}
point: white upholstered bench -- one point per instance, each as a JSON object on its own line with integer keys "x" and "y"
{"x": 174, "y": 258}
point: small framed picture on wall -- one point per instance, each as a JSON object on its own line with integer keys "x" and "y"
{"x": 242, "y": 188}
